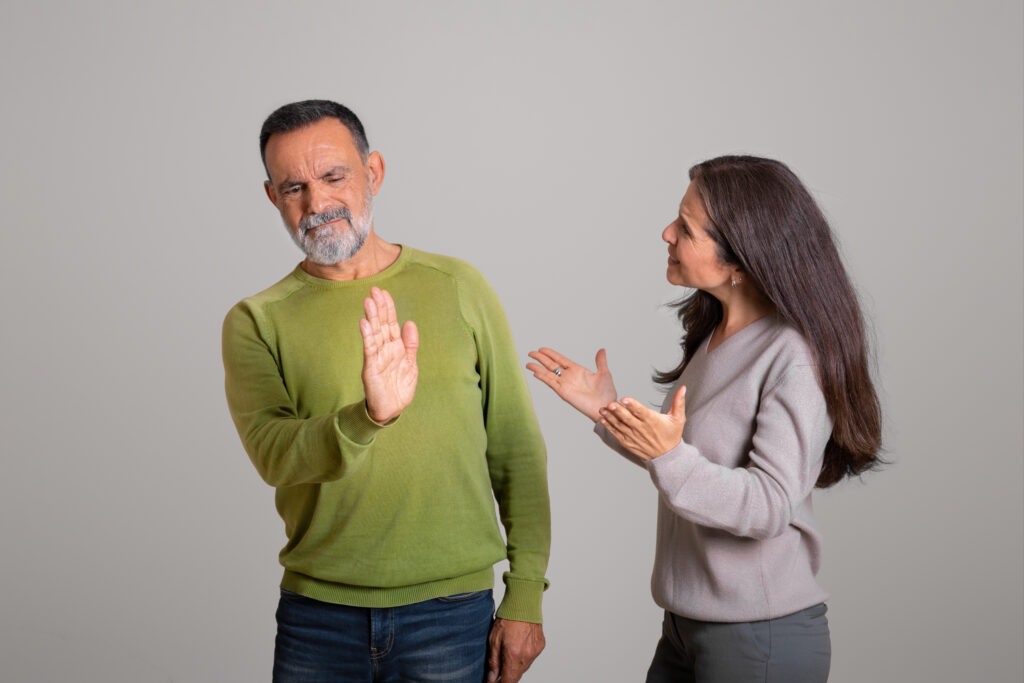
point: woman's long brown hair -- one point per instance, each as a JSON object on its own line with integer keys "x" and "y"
{"x": 764, "y": 221}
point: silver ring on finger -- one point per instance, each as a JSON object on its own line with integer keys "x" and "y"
{"x": 557, "y": 371}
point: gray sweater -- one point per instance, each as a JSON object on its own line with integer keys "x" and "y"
{"x": 736, "y": 537}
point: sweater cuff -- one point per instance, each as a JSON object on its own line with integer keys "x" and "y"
{"x": 610, "y": 441}
{"x": 356, "y": 425}
{"x": 522, "y": 599}
{"x": 673, "y": 468}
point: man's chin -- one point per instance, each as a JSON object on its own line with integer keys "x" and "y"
{"x": 324, "y": 257}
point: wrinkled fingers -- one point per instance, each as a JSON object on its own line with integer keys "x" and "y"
{"x": 558, "y": 358}
{"x": 546, "y": 362}
{"x": 635, "y": 408}
{"x": 386, "y": 312}
{"x": 618, "y": 414}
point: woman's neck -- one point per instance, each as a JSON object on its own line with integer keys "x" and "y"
{"x": 739, "y": 309}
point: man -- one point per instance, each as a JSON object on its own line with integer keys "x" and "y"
{"x": 385, "y": 443}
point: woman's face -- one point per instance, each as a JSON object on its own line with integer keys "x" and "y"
{"x": 692, "y": 254}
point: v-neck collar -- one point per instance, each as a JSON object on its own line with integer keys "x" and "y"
{"x": 708, "y": 351}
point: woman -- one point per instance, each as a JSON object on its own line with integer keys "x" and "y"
{"x": 772, "y": 397}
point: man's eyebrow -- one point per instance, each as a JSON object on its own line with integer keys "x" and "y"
{"x": 336, "y": 170}
{"x": 286, "y": 183}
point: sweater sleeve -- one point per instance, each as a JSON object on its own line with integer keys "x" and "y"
{"x": 287, "y": 450}
{"x": 516, "y": 456}
{"x": 613, "y": 443}
{"x": 757, "y": 500}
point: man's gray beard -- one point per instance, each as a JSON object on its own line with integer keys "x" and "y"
{"x": 327, "y": 247}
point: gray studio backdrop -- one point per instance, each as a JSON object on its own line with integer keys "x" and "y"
{"x": 546, "y": 143}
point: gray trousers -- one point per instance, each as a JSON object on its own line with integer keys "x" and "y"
{"x": 790, "y": 649}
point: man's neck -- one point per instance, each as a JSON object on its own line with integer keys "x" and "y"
{"x": 375, "y": 256}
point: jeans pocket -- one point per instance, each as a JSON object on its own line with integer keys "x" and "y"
{"x": 462, "y": 597}
{"x": 293, "y": 598}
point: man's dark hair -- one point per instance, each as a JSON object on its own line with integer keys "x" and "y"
{"x": 300, "y": 114}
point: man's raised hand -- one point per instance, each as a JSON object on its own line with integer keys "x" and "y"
{"x": 389, "y": 358}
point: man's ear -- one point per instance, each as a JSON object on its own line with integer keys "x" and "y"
{"x": 375, "y": 168}
{"x": 271, "y": 195}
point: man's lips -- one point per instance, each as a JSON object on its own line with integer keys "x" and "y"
{"x": 324, "y": 225}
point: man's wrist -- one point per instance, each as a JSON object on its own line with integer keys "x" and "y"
{"x": 380, "y": 422}
{"x": 522, "y": 600}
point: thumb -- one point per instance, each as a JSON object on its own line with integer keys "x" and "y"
{"x": 493, "y": 662}
{"x": 678, "y": 410}
{"x": 411, "y": 340}
{"x": 602, "y": 360}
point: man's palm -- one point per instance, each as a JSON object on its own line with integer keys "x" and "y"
{"x": 389, "y": 358}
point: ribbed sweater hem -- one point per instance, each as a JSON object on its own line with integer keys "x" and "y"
{"x": 371, "y": 596}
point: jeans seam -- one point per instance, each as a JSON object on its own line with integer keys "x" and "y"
{"x": 379, "y": 616}
{"x": 440, "y": 637}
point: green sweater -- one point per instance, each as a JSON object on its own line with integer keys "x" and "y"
{"x": 380, "y": 516}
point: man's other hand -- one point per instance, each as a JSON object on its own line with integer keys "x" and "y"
{"x": 512, "y": 647}
{"x": 389, "y": 358}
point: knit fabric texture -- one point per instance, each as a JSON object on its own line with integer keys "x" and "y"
{"x": 736, "y": 537}
{"x": 381, "y": 516}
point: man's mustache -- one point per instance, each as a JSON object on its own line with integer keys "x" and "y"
{"x": 317, "y": 219}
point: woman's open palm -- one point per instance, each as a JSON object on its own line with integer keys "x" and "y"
{"x": 584, "y": 390}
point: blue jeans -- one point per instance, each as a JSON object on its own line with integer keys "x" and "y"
{"x": 786, "y": 649}
{"x": 437, "y": 640}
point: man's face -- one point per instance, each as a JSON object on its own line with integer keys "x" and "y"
{"x": 323, "y": 189}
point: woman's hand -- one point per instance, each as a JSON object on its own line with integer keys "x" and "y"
{"x": 584, "y": 390}
{"x": 643, "y": 431}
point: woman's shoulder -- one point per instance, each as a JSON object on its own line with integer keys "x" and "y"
{"x": 788, "y": 341}
{"x": 784, "y": 347}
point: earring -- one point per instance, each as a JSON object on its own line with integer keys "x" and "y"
{"x": 736, "y": 281}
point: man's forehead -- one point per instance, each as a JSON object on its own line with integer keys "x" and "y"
{"x": 316, "y": 147}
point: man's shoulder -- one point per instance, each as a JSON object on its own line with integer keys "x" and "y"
{"x": 278, "y": 291}
{"x": 449, "y": 265}
{"x": 476, "y": 297}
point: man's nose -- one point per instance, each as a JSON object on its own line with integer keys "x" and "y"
{"x": 317, "y": 200}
